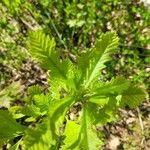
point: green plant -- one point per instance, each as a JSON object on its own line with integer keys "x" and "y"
{"x": 70, "y": 84}
{"x": 12, "y": 5}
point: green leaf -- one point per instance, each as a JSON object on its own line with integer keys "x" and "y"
{"x": 34, "y": 90}
{"x": 132, "y": 97}
{"x": 38, "y": 138}
{"x": 81, "y": 136}
{"x": 102, "y": 113}
{"x": 27, "y": 110}
{"x": 99, "y": 55}
{"x": 69, "y": 84}
{"x": 103, "y": 92}
{"x": 108, "y": 113}
{"x": 43, "y": 48}
{"x": 90, "y": 140}
{"x": 15, "y": 111}
{"x": 9, "y": 128}
{"x": 30, "y": 110}
{"x": 115, "y": 87}
{"x": 99, "y": 101}
{"x": 71, "y": 136}
{"x": 42, "y": 102}
{"x": 62, "y": 72}
{"x": 57, "y": 112}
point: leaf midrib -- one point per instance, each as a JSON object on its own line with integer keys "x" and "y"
{"x": 49, "y": 59}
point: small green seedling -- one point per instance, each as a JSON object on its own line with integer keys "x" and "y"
{"x": 70, "y": 84}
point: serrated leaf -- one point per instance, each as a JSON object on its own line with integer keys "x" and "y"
{"x": 14, "y": 110}
{"x": 132, "y": 97}
{"x": 100, "y": 54}
{"x": 30, "y": 110}
{"x": 108, "y": 113}
{"x": 43, "y": 49}
{"x": 71, "y": 136}
{"x": 27, "y": 110}
{"x": 114, "y": 87}
{"x": 83, "y": 65}
{"x": 90, "y": 140}
{"x": 34, "y": 90}
{"x": 42, "y": 102}
{"x": 38, "y": 138}
{"x": 57, "y": 112}
{"x": 9, "y": 128}
{"x": 62, "y": 72}
{"x": 82, "y": 136}
{"x": 101, "y": 114}
{"x": 69, "y": 84}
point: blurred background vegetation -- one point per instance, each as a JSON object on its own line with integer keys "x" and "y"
{"x": 75, "y": 24}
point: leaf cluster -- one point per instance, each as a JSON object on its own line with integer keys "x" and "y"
{"x": 70, "y": 83}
